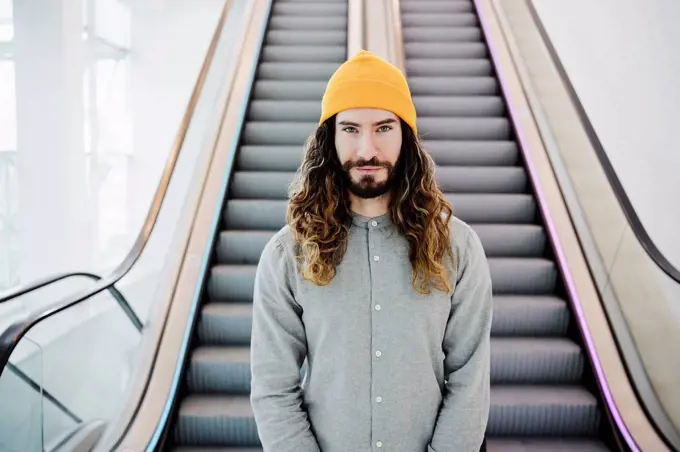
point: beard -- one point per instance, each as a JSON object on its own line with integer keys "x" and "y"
{"x": 367, "y": 187}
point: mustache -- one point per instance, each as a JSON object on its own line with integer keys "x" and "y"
{"x": 363, "y": 162}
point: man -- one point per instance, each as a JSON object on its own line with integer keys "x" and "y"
{"x": 373, "y": 281}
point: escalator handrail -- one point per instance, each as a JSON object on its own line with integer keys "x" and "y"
{"x": 115, "y": 293}
{"x": 13, "y": 334}
{"x": 629, "y": 212}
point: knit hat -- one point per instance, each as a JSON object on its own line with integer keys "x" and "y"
{"x": 368, "y": 81}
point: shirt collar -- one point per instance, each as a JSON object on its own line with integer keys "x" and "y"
{"x": 379, "y": 222}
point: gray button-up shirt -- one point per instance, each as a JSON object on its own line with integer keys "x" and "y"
{"x": 387, "y": 369}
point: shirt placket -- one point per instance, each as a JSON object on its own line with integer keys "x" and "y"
{"x": 378, "y": 352}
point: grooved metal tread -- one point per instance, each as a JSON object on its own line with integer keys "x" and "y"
{"x": 538, "y": 399}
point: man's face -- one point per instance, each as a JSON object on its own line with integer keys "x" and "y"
{"x": 368, "y": 142}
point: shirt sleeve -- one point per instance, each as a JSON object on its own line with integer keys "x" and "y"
{"x": 464, "y": 412}
{"x": 278, "y": 349}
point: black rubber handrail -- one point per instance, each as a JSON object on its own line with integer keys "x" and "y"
{"x": 628, "y": 210}
{"x": 15, "y": 332}
{"x": 115, "y": 293}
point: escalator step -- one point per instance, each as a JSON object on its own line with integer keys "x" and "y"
{"x": 296, "y": 71}
{"x": 470, "y": 208}
{"x": 519, "y": 411}
{"x": 489, "y": 179}
{"x": 230, "y": 323}
{"x": 305, "y": 54}
{"x": 438, "y": 20}
{"x": 469, "y": 106}
{"x": 510, "y": 276}
{"x": 418, "y": 67}
{"x": 454, "y": 86}
{"x": 434, "y": 34}
{"x": 445, "y": 50}
{"x": 307, "y": 23}
{"x": 311, "y": 9}
{"x": 226, "y": 369}
{"x": 444, "y": 153}
{"x": 493, "y": 445}
{"x": 295, "y": 37}
{"x": 437, "y": 7}
{"x": 499, "y": 240}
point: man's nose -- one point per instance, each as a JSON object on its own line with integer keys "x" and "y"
{"x": 367, "y": 147}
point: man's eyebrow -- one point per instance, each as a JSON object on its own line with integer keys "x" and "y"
{"x": 379, "y": 123}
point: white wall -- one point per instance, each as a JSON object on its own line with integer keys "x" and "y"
{"x": 169, "y": 41}
{"x": 623, "y": 60}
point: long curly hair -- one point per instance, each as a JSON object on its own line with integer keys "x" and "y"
{"x": 319, "y": 214}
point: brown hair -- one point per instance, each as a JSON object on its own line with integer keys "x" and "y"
{"x": 319, "y": 214}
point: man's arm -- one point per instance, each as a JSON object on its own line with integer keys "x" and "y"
{"x": 464, "y": 412}
{"x": 278, "y": 349}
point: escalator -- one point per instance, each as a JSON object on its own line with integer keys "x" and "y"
{"x": 543, "y": 393}
{"x": 544, "y": 396}
{"x": 305, "y": 42}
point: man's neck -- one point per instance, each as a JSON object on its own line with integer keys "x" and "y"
{"x": 370, "y": 207}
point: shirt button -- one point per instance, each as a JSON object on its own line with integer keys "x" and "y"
{"x": 374, "y": 223}
{"x": 378, "y": 399}
{"x": 377, "y": 307}
{"x": 376, "y": 258}
{"x": 379, "y": 444}
{"x": 378, "y": 353}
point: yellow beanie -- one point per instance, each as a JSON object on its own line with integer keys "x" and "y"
{"x": 368, "y": 81}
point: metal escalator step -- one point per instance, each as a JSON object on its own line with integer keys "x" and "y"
{"x": 535, "y": 361}
{"x": 454, "y": 86}
{"x": 442, "y": 67}
{"x": 219, "y": 369}
{"x": 209, "y": 420}
{"x": 516, "y": 240}
{"x": 465, "y": 128}
{"x": 493, "y": 445}
{"x": 544, "y": 444}
{"x": 523, "y": 315}
{"x": 510, "y": 276}
{"x": 226, "y": 323}
{"x": 461, "y": 153}
{"x": 307, "y": 23}
{"x": 271, "y": 133}
{"x": 550, "y": 410}
{"x": 310, "y": 9}
{"x": 445, "y": 50}
{"x": 305, "y": 54}
{"x": 457, "y": 179}
{"x": 295, "y": 37}
{"x": 296, "y": 71}
{"x": 269, "y": 158}
{"x": 244, "y": 247}
{"x": 284, "y": 110}
{"x": 226, "y": 369}
{"x": 265, "y": 214}
{"x": 472, "y": 153}
{"x": 231, "y": 282}
{"x": 470, "y": 106}
{"x": 438, "y": 20}
{"x": 299, "y": 90}
{"x": 446, "y": 34}
{"x": 429, "y": 6}
{"x": 482, "y": 179}
{"x": 546, "y": 411}
{"x": 523, "y": 276}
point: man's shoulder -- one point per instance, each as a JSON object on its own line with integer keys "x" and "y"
{"x": 281, "y": 242}
{"x": 460, "y": 233}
